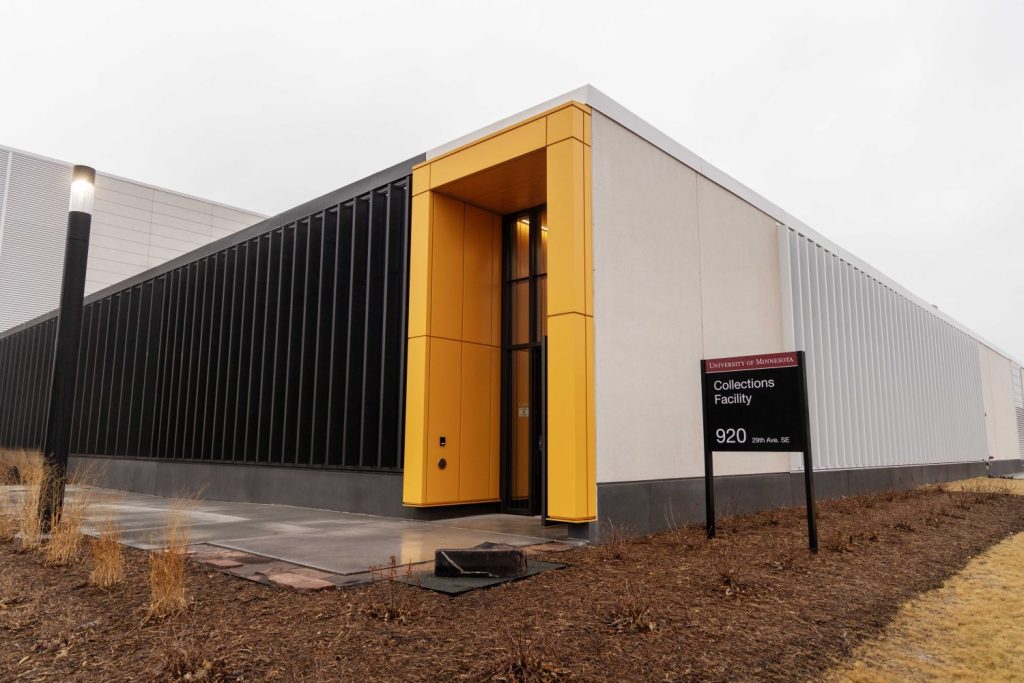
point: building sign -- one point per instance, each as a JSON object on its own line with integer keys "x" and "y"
{"x": 756, "y": 403}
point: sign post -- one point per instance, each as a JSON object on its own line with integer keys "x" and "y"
{"x": 757, "y": 403}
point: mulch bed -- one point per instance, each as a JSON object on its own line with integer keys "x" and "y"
{"x": 752, "y": 605}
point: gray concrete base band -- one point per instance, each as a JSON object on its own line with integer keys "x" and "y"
{"x": 639, "y": 506}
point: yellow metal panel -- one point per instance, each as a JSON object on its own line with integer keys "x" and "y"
{"x": 421, "y": 179}
{"x": 568, "y": 472}
{"x": 494, "y": 415}
{"x": 419, "y": 265}
{"x": 565, "y": 123}
{"x": 444, "y": 420}
{"x": 488, "y": 152}
{"x": 477, "y": 279}
{"x": 496, "y": 249}
{"x": 566, "y": 233}
{"x": 591, "y": 424}
{"x": 588, "y": 235}
{"x": 475, "y": 454}
{"x": 413, "y": 480}
{"x": 586, "y": 129}
{"x": 446, "y": 250}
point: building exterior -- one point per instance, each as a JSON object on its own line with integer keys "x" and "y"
{"x": 514, "y": 322}
{"x": 135, "y": 227}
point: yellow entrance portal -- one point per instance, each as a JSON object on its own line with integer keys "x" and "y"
{"x": 453, "y": 391}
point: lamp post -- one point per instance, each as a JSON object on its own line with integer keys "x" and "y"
{"x": 69, "y": 335}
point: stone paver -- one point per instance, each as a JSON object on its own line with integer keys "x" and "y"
{"x": 300, "y": 582}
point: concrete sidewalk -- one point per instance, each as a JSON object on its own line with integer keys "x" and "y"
{"x": 336, "y": 542}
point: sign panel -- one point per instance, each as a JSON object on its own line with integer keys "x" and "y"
{"x": 754, "y": 403}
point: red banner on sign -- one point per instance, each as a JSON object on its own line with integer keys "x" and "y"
{"x": 747, "y": 363}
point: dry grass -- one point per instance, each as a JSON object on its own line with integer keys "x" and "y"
{"x": 34, "y": 475}
{"x": 967, "y": 630}
{"x": 167, "y": 565}
{"x": 66, "y": 536}
{"x": 107, "y": 555}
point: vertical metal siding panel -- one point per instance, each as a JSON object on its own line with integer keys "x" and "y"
{"x": 828, "y": 347}
{"x": 851, "y": 380}
{"x": 249, "y": 346}
{"x": 264, "y": 308}
{"x": 340, "y": 321}
{"x": 223, "y": 323}
{"x": 325, "y": 309}
{"x": 208, "y": 351}
{"x": 224, "y": 444}
{"x": 293, "y": 343}
{"x": 262, "y": 270}
{"x": 841, "y": 399}
{"x": 353, "y": 389}
{"x": 305, "y": 410}
{"x": 131, "y": 333}
{"x": 865, "y": 367}
{"x": 809, "y": 287}
{"x": 899, "y": 380}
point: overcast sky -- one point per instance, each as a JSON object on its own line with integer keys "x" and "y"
{"x": 894, "y": 128}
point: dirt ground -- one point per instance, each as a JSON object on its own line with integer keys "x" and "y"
{"x": 752, "y": 605}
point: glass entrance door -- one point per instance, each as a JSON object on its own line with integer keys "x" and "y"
{"x": 524, "y": 327}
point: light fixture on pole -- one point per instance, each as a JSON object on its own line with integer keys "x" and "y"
{"x": 69, "y": 336}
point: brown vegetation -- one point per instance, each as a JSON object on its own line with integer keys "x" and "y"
{"x": 753, "y": 604}
{"x": 167, "y": 565}
{"x": 107, "y": 555}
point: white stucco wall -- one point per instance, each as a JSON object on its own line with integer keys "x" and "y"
{"x": 682, "y": 270}
{"x": 1000, "y": 411}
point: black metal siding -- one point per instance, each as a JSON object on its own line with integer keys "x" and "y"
{"x": 284, "y": 345}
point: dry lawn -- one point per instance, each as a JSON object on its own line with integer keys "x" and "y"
{"x": 967, "y": 630}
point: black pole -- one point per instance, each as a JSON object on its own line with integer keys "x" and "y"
{"x": 709, "y": 462}
{"x": 65, "y": 355}
{"x": 812, "y": 522}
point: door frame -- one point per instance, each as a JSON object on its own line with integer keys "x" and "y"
{"x": 536, "y": 349}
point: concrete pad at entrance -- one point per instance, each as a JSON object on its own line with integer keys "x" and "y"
{"x": 337, "y": 542}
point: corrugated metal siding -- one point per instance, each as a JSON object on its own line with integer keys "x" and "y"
{"x": 285, "y": 348}
{"x": 33, "y": 250}
{"x": 889, "y": 382}
{"x": 1018, "y": 403}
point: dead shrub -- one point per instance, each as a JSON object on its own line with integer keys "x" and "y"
{"x": 632, "y": 612}
{"x": 524, "y": 660}
{"x": 839, "y": 542}
{"x": 904, "y": 525}
{"x": 185, "y": 658}
{"x": 732, "y": 575}
{"x": 615, "y": 539}
{"x": 167, "y": 565}
{"x": 107, "y": 555}
{"x": 388, "y": 598}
